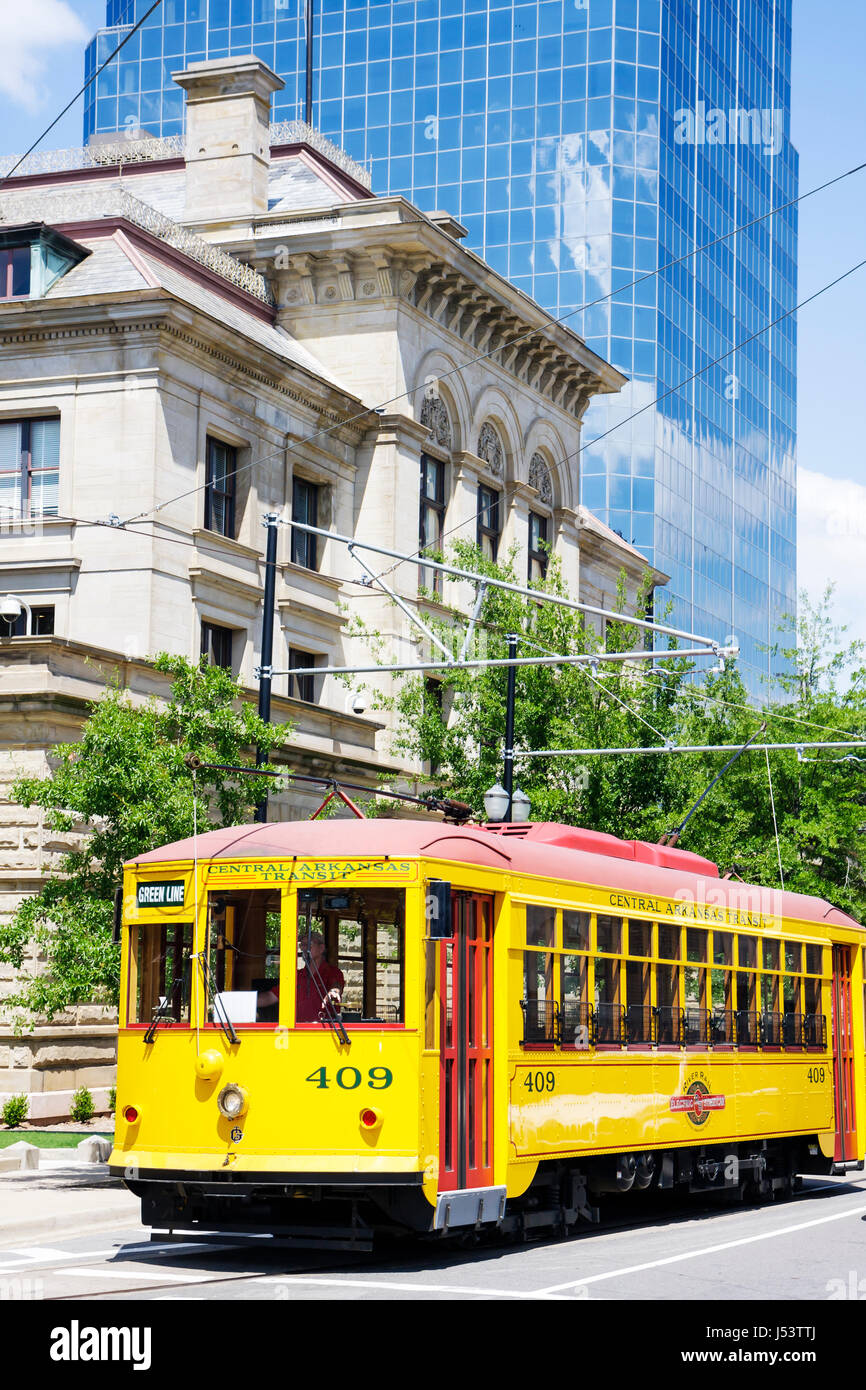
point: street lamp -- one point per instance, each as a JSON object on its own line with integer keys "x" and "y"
{"x": 496, "y": 803}
{"x": 11, "y": 608}
{"x": 519, "y": 805}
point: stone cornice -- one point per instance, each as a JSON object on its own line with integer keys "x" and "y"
{"x": 459, "y": 306}
{"x": 411, "y": 260}
{"x": 152, "y": 312}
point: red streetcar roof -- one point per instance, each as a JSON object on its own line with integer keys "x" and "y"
{"x": 543, "y": 849}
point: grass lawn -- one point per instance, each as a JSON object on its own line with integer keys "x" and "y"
{"x": 62, "y": 1140}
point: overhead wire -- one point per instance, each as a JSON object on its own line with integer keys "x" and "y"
{"x": 80, "y": 92}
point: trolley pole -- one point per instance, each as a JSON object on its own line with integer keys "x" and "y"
{"x": 266, "y": 668}
{"x": 508, "y": 769}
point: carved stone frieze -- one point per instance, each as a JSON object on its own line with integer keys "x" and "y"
{"x": 490, "y": 448}
{"x": 539, "y": 478}
{"x": 434, "y": 414}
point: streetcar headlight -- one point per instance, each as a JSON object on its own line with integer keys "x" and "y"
{"x": 232, "y": 1101}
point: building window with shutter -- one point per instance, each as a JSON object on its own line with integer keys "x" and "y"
{"x": 217, "y": 645}
{"x": 488, "y": 529}
{"x": 219, "y": 497}
{"x": 432, "y": 519}
{"x": 29, "y": 469}
{"x": 305, "y": 508}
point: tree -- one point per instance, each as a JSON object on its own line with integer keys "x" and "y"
{"x": 455, "y": 727}
{"x": 126, "y": 785}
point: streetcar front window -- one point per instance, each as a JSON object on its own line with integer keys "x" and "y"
{"x": 351, "y": 941}
{"x": 244, "y": 956}
{"x": 160, "y": 972}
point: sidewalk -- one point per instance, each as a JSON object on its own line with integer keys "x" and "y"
{"x": 62, "y": 1196}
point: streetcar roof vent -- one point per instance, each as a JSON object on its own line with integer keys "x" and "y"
{"x": 599, "y": 842}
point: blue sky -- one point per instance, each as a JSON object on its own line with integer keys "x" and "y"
{"x": 45, "y": 68}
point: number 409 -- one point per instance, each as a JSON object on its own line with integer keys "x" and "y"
{"x": 349, "y": 1078}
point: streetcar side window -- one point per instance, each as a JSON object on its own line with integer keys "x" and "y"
{"x": 538, "y": 966}
{"x": 574, "y": 1000}
{"x": 244, "y": 956}
{"x": 363, "y": 932}
{"x": 160, "y": 972}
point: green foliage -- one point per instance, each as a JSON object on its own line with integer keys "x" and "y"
{"x": 459, "y": 735}
{"x": 82, "y": 1108}
{"x": 127, "y": 785}
{"x": 112, "y": 1099}
{"x": 15, "y": 1111}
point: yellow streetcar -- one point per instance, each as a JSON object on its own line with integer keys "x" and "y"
{"x": 333, "y": 1028}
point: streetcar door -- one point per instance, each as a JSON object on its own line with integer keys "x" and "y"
{"x": 466, "y": 1034}
{"x": 843, "y": 1055}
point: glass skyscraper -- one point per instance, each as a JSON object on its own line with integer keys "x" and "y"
{"x": 583, "y": 144}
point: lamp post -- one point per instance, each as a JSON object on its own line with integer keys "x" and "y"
{"x": 507, "y": 802}
{"x": 508, "y": 769}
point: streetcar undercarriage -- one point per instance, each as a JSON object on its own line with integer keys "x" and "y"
{"x": 342, "y": 1213}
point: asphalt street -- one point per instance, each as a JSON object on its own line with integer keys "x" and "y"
{"x": 812, "y": 1248}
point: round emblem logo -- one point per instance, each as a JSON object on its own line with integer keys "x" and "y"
{"x": 698, "y": 1113}
{"x": 237, "y": 1135}
{"x": 696, "y": 1100}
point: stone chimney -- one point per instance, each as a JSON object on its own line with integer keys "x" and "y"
{"x": 228, "y": 112}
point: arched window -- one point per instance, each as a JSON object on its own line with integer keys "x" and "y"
{"x": 433, "y": 492}
{"x": 539, "y": 521}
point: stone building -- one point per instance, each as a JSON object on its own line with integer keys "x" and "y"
{"x": 194, "y": 336}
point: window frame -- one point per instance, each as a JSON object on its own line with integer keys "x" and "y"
{"x": 25, "y": 471}
{"x": 304, "y": 545}
{"x": 535, "y": 556}
{"x": 227, "y": 494}
{"x": 39, "y": 613}
{"x": 488, "y": 505}
{"x": 302, "y": 683}
{"x": 437, "y": 506}
{"x": 211, "y": 630}
{"x": 7, "y": 271}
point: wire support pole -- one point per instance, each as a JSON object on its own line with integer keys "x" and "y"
{"x": 271, "y": 521}
{"x": 670, "y": 837}
{"x": 687, "y": 748}
{"x": 487, "y": 662}
{"x": 538, "y": 595}
{"x": 508, "y": 762}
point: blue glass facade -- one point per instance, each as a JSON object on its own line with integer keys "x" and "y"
{"x": 583, "y": 143}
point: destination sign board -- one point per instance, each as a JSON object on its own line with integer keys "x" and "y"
{"x": 171, "y": 893}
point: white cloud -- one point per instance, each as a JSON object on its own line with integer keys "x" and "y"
{"x": 831, "y": 544}
{"x": 31, "y": 31}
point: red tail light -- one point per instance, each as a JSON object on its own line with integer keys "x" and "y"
{"x": 130, "y": 1114}
{"x": 369, "y": 1118}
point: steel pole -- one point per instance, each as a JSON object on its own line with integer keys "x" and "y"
{"x": 508, "y": 769}
{"x": 266, "y": 668}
